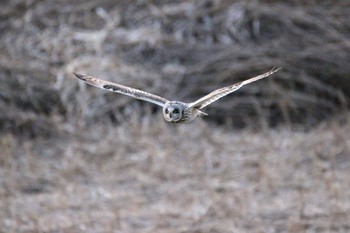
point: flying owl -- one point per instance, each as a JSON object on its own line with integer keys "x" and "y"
{"x": 173, "y": 111}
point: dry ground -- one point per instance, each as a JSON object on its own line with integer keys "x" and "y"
{"x": 154, "y": 177}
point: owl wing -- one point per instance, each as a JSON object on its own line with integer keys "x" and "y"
{"x": 114, "y": 87}
{"x": 219, "y": 93}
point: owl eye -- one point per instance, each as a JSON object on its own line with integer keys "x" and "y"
{"x": 176, "y": 111}
{"x": 166, "y": 111}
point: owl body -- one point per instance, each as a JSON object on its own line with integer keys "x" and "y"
{"x": 180, "y": 112}
{"x": 173, "y": 111}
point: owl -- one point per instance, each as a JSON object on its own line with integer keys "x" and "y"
{"x": 173, "y": 111}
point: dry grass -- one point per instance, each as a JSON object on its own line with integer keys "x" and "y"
{"x": 179, "y": 50}
{"x": 152, "y": 177}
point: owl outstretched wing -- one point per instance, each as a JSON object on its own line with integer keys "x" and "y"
{"x": 114, "y": 87}
{"x": 219, "y": 93}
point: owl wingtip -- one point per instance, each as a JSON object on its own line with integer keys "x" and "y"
{"x": 276, "y": 68}
{"x": 79, "y": 76}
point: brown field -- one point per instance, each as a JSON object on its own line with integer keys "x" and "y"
{"x": 152, "y": 177}
{"x": 272, "y": 157}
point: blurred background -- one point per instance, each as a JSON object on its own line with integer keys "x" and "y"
{"x": 272, "y": 157}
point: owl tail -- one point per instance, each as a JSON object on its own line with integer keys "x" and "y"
{"x": 202, "y": 113}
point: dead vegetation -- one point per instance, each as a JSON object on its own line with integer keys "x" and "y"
{"x": 180, "y": 50}
{"x": 77, "y": 159}
{"x": 189, "y": 179}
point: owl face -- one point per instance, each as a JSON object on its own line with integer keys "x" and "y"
{"x": 173, "y": 111}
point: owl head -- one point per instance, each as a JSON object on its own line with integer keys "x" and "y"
{"x": 173, "y": 111}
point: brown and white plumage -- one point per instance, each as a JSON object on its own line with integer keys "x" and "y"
{"x": 219, "y": 93}
{"x": 173, "y": 111}
{"x": 138, "y": 94}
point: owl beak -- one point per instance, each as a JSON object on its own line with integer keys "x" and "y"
{"x": 170, "y": 115}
